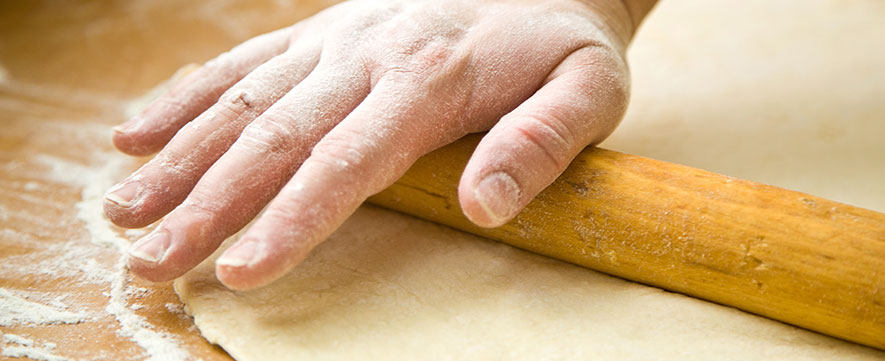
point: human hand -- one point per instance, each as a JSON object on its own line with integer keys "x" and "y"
{"x": 314, "y": 118}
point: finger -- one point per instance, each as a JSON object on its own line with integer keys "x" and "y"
{"x": 581, "y": 103}
{"x": 364, "y": 154}
{"x": 149, "y": 131}
{"x": 164, "y": 182}
{"x": 247, "y": 176}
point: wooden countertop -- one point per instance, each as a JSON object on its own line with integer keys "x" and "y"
{"x": 68, "y": 71}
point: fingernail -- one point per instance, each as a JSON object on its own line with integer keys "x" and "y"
{"x": 239, "y": 255}
{"x": 127, "y": 126}
{"x": 498, "y": 194}
{"x": 151, "y": 248}
{"x": 123, "y": 194}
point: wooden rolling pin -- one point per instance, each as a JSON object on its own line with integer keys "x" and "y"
{"x": 785, "y": 255}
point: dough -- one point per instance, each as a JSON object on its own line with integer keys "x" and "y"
{"x": 389, "y": 286}
{"x": 787, "y": 92}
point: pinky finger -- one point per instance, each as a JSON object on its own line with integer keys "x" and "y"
{"x": 149, "y": 131}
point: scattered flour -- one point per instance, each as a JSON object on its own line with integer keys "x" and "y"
{"x": 98, "y": 260}
{"x": 21, "y": 347}
{"x": 176, "y": 308}
{"x": 85, "y": 262}
{"x": 158, "y": 345}
{"x": 58, "y": 302}
{"x": 15, "y": 310}
{"x": 65, "y": 171}
{"x": 72, "y": 259}
{"x": 35, "y": 353}
{"x": 136, "y": 233}
{"x": 16, "y": 339}
{"x": 31, "y": 186}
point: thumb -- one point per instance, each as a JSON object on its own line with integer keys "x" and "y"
{"x": 580, "y": 103}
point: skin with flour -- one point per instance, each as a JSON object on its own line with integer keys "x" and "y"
{"x": 314, "y": 118}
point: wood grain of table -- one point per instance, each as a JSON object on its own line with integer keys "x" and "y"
{"x": 68, "y": 71}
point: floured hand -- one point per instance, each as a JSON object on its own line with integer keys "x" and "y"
{"x": 314, "y": 118}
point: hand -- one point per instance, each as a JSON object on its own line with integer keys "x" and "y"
{"x": 314, "y": 118}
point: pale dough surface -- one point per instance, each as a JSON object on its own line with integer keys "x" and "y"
{"x": 785, "y": 92}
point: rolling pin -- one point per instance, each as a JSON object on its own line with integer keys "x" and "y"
{"x": 781, "y": 254}
{"x": 777, "y": 253}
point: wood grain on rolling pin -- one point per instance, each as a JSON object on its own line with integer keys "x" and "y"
{"x": 786, "y": 255}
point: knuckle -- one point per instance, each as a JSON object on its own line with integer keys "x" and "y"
{"x": 282, "y": 211}
{"x": 340, "y": 152}
{"x": 200, "y": 202}
{"x": 363, "y": 165}
{"x": 403, "y": 73}
{"x": 217, "y": 62}
{"x": 604, "y": 99}
{"x": 426, "y": 63}
{"x": 549, "y": 134}
{"x": 609, "y": 74}
{"x": 236, "y": 101}
{"x": 168, "y": 105}
{"x": 551, "y": 122}
{"x": 269, "y": 134}
{"x": 612, "y": 85}
{"x": 352, "y": 25}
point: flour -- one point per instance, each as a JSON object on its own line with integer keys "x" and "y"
{"x": 176, "y": 308}
{"x": 16, "y": 339}
{"x": 135, "y": 233}
{"x": 63, "y": 170}
{"x": 35, "y": 353}
{"x": 18, "y": 346}
{"x": 61, "y": 260}
{"x": 159, "y": 346}
{"x": 99, "y": 259}
{"x": 15, "y": 310}
{"x": 31, "y": 186}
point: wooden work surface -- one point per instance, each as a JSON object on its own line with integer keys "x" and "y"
{"x": 68, "y": 70}
{"x": 71, "y": 70}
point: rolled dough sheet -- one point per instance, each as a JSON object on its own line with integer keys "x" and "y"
{"x": 390, "y": 287}
{"x": 755, "y": 89}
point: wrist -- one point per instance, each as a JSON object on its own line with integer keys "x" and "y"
{"x": 638, "y": 10}
{"x": 620, "y": 18}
